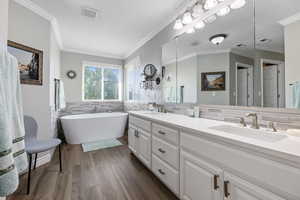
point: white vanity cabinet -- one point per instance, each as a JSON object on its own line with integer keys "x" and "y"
{"x": 197, "y": 165}
{"x": 199, "y": 179}
{"x": 239, "y": 189}
{"x": 139, "y": 139}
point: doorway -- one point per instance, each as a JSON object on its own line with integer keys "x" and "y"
{"x": 273, "y": 87}
{"x": 244, "y": 84}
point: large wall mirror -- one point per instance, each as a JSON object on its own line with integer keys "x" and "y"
{"x": 246, "y": 58}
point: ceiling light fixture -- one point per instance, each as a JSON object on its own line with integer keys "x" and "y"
{"x": 187, "y": 18}
{"x": 217, "y": 39}
{"x": 205, "y": 11}
{"x": 238, "y": 4}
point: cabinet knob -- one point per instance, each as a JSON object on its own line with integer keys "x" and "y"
{"x": 216, "y": 177}
{"x": 161, "y": 132}
{"x": 161, "y": 150}
{"x": 161, "y": 171}
{"x": 226, "y": 190}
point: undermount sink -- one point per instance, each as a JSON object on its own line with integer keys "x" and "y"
{"x": 258, "y": 134}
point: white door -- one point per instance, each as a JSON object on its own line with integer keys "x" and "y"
{"x": 242, "y": 87}
{"x": 270, "y": 86}
{"x": 199, "y": 180}
{"x": 144, "y": 151}
{"x": 132, "y": 139}
{"x": 236, "y": 188}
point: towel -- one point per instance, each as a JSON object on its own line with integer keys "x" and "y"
{"x": 296, "y": 95}
{"x": 62, "y": 101}
{"x": 13, "y": 159}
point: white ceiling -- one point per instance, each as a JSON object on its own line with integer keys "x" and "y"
{"x": 120, "y": 27}
{"x": 239, "y": 25}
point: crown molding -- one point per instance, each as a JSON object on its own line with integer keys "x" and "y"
{"x": 46, "y": 15}
{"x": 99, "y": 54}
{"x": 290, "y": 20}
{"x": 180, "y": 9}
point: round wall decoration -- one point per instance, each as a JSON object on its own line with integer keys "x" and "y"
{"x": 71, "y": 74}
{"x": 150, "y": 71}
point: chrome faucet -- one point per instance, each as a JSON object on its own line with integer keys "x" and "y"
{"x": 254, "y": 124}
{"x": 272, "y": 126}
{"x": 243, "y": 122}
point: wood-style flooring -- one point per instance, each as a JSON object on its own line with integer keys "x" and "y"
{"x": 108, "y": 174}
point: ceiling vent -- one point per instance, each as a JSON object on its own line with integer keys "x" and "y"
{"x": 89, "y": 12}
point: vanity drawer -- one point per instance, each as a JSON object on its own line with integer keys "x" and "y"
{"x": 166, "y": 151}
{"x": 166, "y": 174}
{"x": 165, "y": 133}
{"x": 141, "y": 123}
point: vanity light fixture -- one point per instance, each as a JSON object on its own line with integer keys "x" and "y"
{"x": 238, "y": 4}
{"x": 205, "y": 11}
{"x": 187, "y": 18}
{"x": 210, "y": 19}
{"x": 190, "y": 30}
{"x": 199, "y": 25}
{"x": 209, "y": 4}
{"x": 217, "y": 39}
{"x": 178, "y": 24}
{"x": 223, "y": 11}
{"x": 197, "y": 10}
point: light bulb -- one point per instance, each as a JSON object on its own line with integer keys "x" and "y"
{"x": 223, "y": 11}
{"x": 210, "y": 19}
{"x": 187, "y": 18}
{"x": 178, "y": 25}
{"x": 199, "y": 25}
{"x": 209, "y": 4}
{"x": 238, "y": 4}
{"x": 190, "y": 30}
{"x": 197, "y": 10}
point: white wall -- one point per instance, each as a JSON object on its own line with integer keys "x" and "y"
{"x": 30, "y": 29}
{"x": 73, "y": 61}
{"x": 292, "y": 63}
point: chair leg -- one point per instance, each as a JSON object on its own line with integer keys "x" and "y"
{"x": 35, "y": 158}
{"x": 29, "y": 173}
{"x": 60, "y": 161}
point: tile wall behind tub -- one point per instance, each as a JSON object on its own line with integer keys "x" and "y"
{"x": 284, "y": 118}
{"x": 74, "y": 108}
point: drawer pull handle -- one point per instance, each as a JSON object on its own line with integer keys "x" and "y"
{"x": 161, "y": 171}
{"x": 216, "y": 187}
{"x": 161, "y": 150}
{"x": 226, "y": 190}
{"x": 161, "y": 132}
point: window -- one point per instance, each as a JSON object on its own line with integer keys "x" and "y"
{"x": 102, "y": 82}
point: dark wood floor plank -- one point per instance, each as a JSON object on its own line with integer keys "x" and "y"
{"x": 107, "y": 174}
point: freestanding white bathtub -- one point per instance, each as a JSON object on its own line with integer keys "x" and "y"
{"x": 84, "y": 128}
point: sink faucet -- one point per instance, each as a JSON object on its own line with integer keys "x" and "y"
{"x": 254, "y": 124}
{"x": 243, "y": 122}
{"x": 272, "y": 126}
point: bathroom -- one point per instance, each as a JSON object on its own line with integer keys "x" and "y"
{"x": 200, "y": 102}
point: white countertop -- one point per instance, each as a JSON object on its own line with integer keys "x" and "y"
{"x": 287, "y": 149}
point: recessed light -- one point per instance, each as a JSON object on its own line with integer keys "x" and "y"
{"x": 217, "y": 39}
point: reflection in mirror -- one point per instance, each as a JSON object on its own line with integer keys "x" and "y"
{"x": 221, "y": 64}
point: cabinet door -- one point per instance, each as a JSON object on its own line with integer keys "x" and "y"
{"x": 144, "y": 143}
{"x": 236, "y": 188}
{"x": 199, "y": 180}
{"x": 132, "y": 139}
